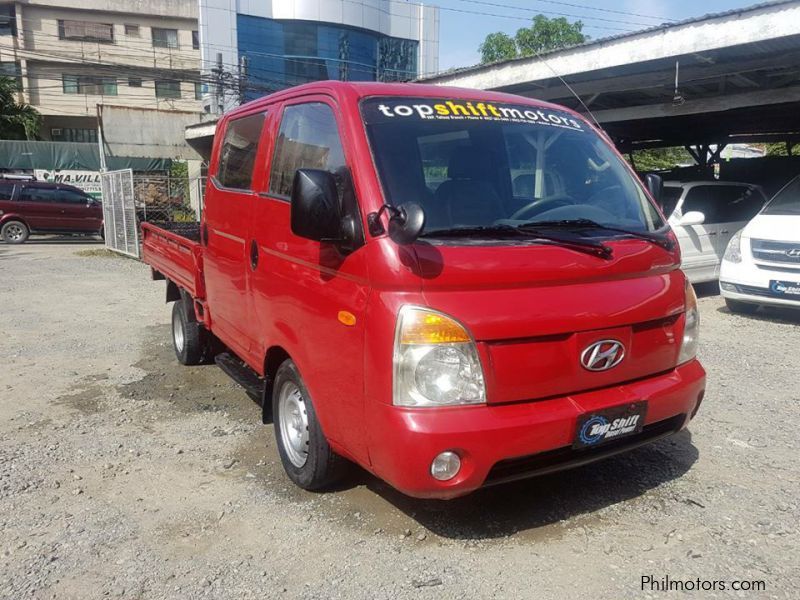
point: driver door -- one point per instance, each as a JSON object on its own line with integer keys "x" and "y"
{"x": 698, "y": 242}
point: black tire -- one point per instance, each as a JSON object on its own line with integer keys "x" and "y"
{"x": 189, "y": 339}
{"x": 322, "y": 467}
{"x": 14, "y": 232}
{"x": 741, "y": 308}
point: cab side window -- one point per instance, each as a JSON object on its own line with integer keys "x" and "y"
{"x": 308, "y": 139}
{"x": 238, "y": 153}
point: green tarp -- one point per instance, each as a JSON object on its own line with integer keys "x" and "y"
{"x": 22, "y": 154}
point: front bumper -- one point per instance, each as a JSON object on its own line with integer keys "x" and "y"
{"x": 502, "y": 442}
{"x": 748, "y": 282}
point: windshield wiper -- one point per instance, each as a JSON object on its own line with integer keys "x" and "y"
{"x": 659, "y": 240}
{"x": 584, "y": 245}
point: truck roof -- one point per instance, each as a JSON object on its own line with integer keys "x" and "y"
{"x": 346, "y": 90}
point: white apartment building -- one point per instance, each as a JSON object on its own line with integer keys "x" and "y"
{"x": 72, "y": 56}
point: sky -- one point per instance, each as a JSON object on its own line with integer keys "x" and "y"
{"x": 461, "y": 33}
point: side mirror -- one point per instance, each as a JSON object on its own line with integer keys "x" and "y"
{"x": 405, "y": 223}
{"x": 655, "y": 185}
{"x": 693, "y": 217}
{"x": 315, "y": 213}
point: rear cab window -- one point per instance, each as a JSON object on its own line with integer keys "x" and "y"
{"x": 238, "y": 153}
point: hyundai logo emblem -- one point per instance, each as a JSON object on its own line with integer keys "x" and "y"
{"x": 794, "y": 252}
{"x": 602, "y": 355}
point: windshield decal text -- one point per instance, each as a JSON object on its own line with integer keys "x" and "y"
{"x": 477, "y": 111}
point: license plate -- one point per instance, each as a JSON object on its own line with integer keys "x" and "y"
{"x": 784, "y": 288}
{"x": 597, "y": 428}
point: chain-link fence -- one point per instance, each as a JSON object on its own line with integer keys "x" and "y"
{"x": 166, "y": 198}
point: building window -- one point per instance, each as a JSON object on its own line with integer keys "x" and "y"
{"x": 86, "y": 31}
{"x": 168, "y": 89}
{"x": 131, "y": 30}
{"x": 73, "y": 134}
{"x": 165, "y": 38}
{"x": 134, "y": 81}
{"x": 238, "y": 154}
{"x": 86, "y": 84}
{"x": 199, "y": 90}
{"x": 8, "y": 20}
{"x": 195, "y": 40}
{"x": 12, "y": 70}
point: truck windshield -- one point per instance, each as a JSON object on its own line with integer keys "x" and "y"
{"x": 478, "y": 165}
{"x": 785, "y": 202}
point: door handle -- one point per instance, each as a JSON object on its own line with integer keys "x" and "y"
{"x": 712, "y": 233}
{"x": 253, "y": 255}
{"x": 724, "y": 231}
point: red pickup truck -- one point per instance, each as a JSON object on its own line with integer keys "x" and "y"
{"x": 451, "y": 288}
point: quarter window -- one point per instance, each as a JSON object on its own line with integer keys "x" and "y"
{"x": 238, "y": 153}
{"x": 308, "y": 139}
{"x": 6, "y": 191}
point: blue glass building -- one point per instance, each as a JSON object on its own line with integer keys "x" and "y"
{"x": 284, "y": 53}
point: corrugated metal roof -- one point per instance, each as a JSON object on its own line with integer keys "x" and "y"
{"x": 770, "y": 46}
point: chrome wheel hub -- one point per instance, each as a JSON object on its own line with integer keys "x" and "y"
{"x": 14, "y": 232}
{"x": 177, "y": 332}
{"x": 293, "y": 423}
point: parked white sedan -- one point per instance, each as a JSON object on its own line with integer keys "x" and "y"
{"x": 705, "y": 215}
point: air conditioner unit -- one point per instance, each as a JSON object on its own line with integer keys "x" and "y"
{"x": 56, "y": 132}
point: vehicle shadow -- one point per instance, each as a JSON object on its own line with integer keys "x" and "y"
{"x": 706, "y": 289}
{"x": 65, "y": 240}
{"x": 771, "y": 314}
{"x": 532, "y": 504}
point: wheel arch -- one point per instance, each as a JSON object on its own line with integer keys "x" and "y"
{"x": 273, "y": 359}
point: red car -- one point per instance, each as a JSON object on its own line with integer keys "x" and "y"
{"x": 451, "y": 288}
{"x": 35, "y": 207}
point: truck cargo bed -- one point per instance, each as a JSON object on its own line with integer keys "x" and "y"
{"x": 174, "y": 251}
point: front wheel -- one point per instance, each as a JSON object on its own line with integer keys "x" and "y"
{"x": 305, "y": 453}
{"x": 14, "y": 232}
{"x": 741, "y": 308}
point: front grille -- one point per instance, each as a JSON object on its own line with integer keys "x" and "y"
{"x": 568, "y": 457}
{"x": 772, "y": 251}
{"x": 752, "y": 290}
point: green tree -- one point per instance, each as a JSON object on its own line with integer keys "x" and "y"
{"x": 661, "y": 159}
{"x": 542, "y": 36}
{"x": 496, "y": 47}
{"x": 17, "y": 121}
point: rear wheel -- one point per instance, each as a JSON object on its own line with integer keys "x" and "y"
{"x": 742, "y": 308}
{"x": 189, "y": 338}
{"x": 14, "y": 232}
{"x": 305, "y": 453}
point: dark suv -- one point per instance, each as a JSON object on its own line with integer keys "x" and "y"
{"x": 31, "y": 207}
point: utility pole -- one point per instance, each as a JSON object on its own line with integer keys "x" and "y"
{"x": 218, "y": 75}
{"x": 242, "y": 78}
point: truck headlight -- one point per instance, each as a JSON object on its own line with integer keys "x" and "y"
{"x": 691, "y": 328}
{"x": 435, "y": 361}
{"x": 733, "y": 253}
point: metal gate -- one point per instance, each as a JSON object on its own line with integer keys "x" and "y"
{"x": 119, "y": 212}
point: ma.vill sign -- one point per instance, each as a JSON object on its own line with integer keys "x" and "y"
{"x": 88, "y": 181}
